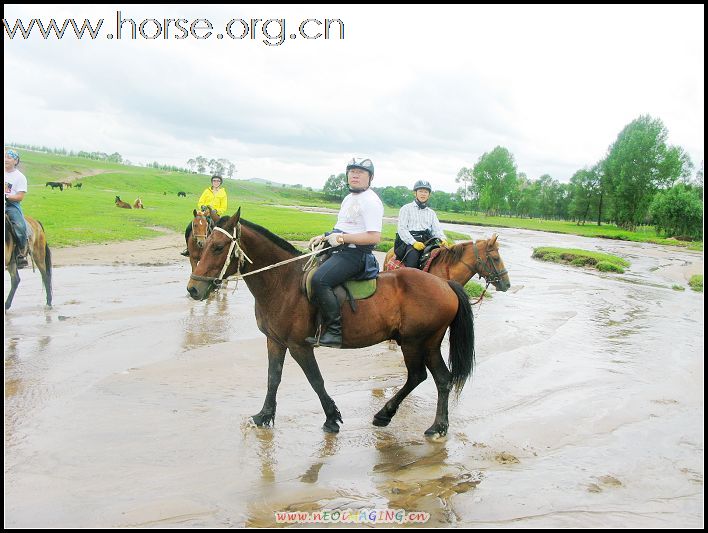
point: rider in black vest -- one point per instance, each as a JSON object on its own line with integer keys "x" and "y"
{"x": 417, "y": 224}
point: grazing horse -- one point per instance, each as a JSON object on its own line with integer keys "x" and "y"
{"x": 55, "y": 184}
{"x": 409, "y": 306}
{"x": 66, "y": 184}
{"x": 39, "y": 253}
{"x": 462, "y": 261}
{"x": 181, "y": 193}
{"x": 78, "y": 185}
{"x": 121, "y": 203}
{"x": 138, "y": 204}
{"x": 201, "y": 228}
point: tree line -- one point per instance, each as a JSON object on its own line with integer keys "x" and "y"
{"x": 221, "y": 166}
{"x": 640, "y": 181}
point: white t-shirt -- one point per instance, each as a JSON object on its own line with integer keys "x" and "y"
{"x": 15, "y": 182}
{"x": 360, "y": 212}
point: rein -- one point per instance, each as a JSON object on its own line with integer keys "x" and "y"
{"x": 241, "y": 257}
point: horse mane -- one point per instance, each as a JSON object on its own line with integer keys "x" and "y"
{"x": 272, "y": 237}
{"x": 452, "y": 255}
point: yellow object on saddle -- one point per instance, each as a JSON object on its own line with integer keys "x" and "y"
{"x": 359, "y": 290}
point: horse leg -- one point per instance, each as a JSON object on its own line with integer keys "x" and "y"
{"x": 305, "y": 357}
{"x": 44, "y": 263}
{"x": 413, "y": 356}
{"x": 276, "y": 358}
{"x": 443, "y": 382}
{"x": 14, "y": 282}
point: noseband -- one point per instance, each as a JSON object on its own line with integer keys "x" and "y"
{"x": 235, "y": 251}
{"x": 492, "y": 275}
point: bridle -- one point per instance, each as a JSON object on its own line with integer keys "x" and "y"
{"x": 194, "y": 231}
{"x": 492, "y": 274}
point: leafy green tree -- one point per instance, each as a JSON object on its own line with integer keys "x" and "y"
{"x": 336, "y": 186}
{"x": 585, "y": 192}
{"x": 638, "y": 164}
{"x": 678, "y": 211}
{"x": 467, "y": 191}
{"x": 495, "y": 177}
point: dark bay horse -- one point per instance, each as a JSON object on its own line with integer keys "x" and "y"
{"x": 462, "y": 261}
{"x": 39, "y": 253}
{"x": 409, "y": 306}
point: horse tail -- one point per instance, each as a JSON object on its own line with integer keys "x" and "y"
{"x": 461, "y": 358}
{"x": 48, "y": 267}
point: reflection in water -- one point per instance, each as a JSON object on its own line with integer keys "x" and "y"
{"x": 328, "y": 448}
{"x": 208, "y": 323}
{"x": 416, "y": 475}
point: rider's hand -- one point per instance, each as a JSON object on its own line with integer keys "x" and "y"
{"x": 418, "y": 246}
{"x": 334, "y": 239}
{"x": 445, "y": 244}
{"x": 315, "y": 241}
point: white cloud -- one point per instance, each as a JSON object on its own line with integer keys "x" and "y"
{"x": 423, "y": 90}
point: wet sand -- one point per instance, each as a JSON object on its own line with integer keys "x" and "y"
{"x": 128, "y": 403}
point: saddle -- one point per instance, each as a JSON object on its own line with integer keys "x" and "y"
{"x": 28, "y": 231}
{"x": 430, "y": 252}
{"x": 348, "y": 291}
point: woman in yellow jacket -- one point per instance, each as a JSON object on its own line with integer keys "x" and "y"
{"x": 213, "y": 197}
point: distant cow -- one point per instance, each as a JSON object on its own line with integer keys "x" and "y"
{"x": 55, "y": 184}
{"x": 78, "y": 185}
{"x": 181, "y": 193}
{"x": 138, "y": 204}
{"x": 121, "y": 203}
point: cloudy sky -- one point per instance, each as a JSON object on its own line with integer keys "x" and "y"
{"x": 422, "y": 91}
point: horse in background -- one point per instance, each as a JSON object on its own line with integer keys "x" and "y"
{"x": 463, "y": 260}
{"x": 138, "y": 204}
{"x": 121, "y": 203}
{"x": 181, "y": 193}
{"x": 78, "y": 185}
{"x": 201, "y": 227}
{"x": 409, "y": 306}
{"x": 39, "y": 254}
{"x": 54, "y": 185}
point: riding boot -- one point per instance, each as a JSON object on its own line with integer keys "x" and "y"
{"x": 331, "y": 318}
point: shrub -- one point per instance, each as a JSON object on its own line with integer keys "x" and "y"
{"x": 606, "y": 266}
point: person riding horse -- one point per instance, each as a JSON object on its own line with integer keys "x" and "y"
{"x": 353, "y": 238}
{"x": 213, "y": 197}
{"x": 15, "y": 190}
{"x": 417, "y": 224}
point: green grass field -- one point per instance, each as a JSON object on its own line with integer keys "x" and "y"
{"x": 89, "y": 215}
{"x": 573, "y": 256}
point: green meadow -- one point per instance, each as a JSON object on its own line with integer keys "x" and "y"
{"x": 88, "y": 215}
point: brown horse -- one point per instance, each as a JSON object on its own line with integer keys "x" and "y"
{"x": 138, "y": 204}
{"x": 121, "y": 203}
{"x": 39, "y": 253}
{"x": 201, "y": 228}
{"x": 462, "y": 261}
{"x": 409, "y": 306}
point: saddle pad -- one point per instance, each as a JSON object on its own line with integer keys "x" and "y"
{"x": 359, "y": 290}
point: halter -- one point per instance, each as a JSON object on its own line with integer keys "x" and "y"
{"x": 241, "y": 258}
{"x": 492, "y": 275}
{"x": 209, "y": 225}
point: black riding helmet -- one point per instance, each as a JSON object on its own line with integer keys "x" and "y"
{"x": 422, "y": 184}
{"x": 364, "y": 164}
{"x": 217, "y": 177}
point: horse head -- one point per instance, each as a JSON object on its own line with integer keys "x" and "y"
{"x": 482, "y": 257}
{"x": 200, "y": 228}
{"x": 216, "y": 262}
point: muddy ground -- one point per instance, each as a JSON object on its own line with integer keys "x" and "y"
{"x": 128, "y": 403}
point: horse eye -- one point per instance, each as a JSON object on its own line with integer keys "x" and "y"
{"x": 218, "y": 248}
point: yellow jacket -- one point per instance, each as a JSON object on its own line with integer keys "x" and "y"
{"x": 216, "y": 201}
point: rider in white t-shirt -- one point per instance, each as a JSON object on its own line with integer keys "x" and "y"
{"x": 357, "y": 231}
{"x": 15, "y": 190}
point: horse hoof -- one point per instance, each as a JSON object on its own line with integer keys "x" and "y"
{"x": 331, "y": 427}
{"x": 434, "y": 430}
{"x": 381, "y": 421}
{"x": 262, "y": 420}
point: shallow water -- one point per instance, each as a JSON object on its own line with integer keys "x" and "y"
{"x": 128, "y": 404}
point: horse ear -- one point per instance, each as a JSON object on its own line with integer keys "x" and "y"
{"x": 492, "y": 241}
{"x": 234, "y": 219}
{"x": 195, "y": 212}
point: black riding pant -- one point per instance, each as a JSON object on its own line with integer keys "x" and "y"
{"x": 344, "y": 264}
{"x": 411, "y": 256}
